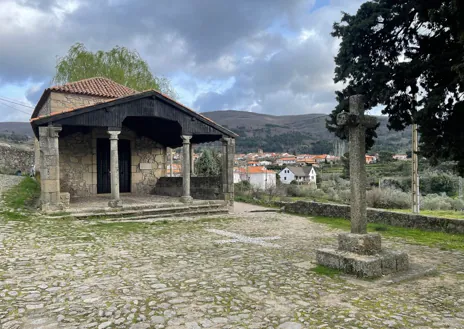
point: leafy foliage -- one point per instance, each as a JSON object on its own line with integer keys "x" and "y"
{"x": 208, "y": 164}
{"x": 119, "y": 64}
{"x": 408, "y": 56}
{"x": 385, "y": 157}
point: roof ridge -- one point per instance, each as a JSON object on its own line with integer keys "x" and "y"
{"x": 93, "y": 78}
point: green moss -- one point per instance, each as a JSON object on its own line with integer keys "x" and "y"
{"x": 323, "y": 270}
{"x": 441, "y": 240}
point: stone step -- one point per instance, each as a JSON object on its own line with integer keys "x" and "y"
{"x": 146, "y": 206}
{"x": 174, "y": 210}
{"x": 160, "y": 217}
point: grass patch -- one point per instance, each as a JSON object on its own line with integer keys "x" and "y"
{"x": 121, "y": 227}
{"x": 324, "y": 270}
{"x": 23, "y": 195}
{"x": 11, "y": 215}
{"x": 437, "y": 213}
{"x": 59, "y": 214}
{"x": 441, "y": 240}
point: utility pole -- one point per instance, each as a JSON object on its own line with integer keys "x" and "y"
{"x": 460, "y": 187}
{"x": 415, "y": 172}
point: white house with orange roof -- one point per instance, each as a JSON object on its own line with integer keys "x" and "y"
{"x": 259, "y": 177}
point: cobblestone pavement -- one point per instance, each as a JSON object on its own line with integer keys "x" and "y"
{"x": 75, "y": 274}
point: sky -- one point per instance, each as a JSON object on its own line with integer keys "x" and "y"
{"x": 266, "y": 56}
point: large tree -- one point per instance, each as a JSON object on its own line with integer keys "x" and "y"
{"x": 407, "y": 56}
{"x": 118, "y": 64}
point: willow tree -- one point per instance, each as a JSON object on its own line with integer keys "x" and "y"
{"x": 407, "y": 56}
{"x": 119, "y": 64}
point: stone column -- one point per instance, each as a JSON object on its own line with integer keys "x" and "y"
{"x": 192, "y": 161}
{"x": 50, "y": 168}
{"x": 224, "y": 175}
{"x": 114, "y": 167}
{"x": 230, "y": 169}
{"x": 358, "y": 252}
{"x": 171, "y": 169}
{"x": 186, "y": 198}
{"x": 228, "y": 154}
{"x": 357, "y": 136}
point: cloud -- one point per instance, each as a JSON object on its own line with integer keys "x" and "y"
{"x": 271, "y": 56}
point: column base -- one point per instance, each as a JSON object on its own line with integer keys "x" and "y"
{"x": 362, "y": 255}
{"x": 364, "y": 266}
{"x": 115, "y": 203}
{"x": 186, "y": 199}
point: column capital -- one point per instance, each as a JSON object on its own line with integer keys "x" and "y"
{"x": 49, "y": 131}
{"x": 54, "y": 131}
{"x": 114, "y": 133}
{"x": 186, "y": 139}
{"x": 225, "y": 140}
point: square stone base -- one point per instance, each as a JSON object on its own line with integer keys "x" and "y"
{"x": 366, "y": 266}
{"x": 364, "y": 244}
{"x": 186, "y": 199}
{"x": 115, "y": 203}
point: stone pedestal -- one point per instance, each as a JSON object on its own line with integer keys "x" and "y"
{"x": 362, "y": 255}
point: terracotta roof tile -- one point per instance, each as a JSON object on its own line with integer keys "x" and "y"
{"x": 98, "y": 86}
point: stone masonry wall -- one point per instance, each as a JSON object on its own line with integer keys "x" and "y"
{"x": 78, "y": 162}
{"x": 13, "y": 159}
{"x": 375, "y": 216}
{"x": 58, "y": 102}
{"x": 148, "y": 163}
{"x": 77, "y": 165}
{"x": 201, "y": 188}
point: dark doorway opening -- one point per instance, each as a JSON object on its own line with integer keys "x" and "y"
{"x": 103, "y": 166}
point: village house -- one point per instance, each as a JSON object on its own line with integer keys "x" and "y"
{"x": 401, "y": 157}
{"x": 370, "y": 159}
{"x": 286, "y": 160}
{"x": 302, "y": 175}
{"x": 259, "y": 177}
{"x": 96, "y": 137}
{"x": 252, "y": 163}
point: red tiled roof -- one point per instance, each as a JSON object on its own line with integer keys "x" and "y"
{"x": 98, "y": 86}
{"x": 103, "y": 87}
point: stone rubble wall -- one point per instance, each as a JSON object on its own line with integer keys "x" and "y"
{"x": 58, "y": 102}
{"x": 148, "y": 163}
{"x": 78, "y": 162}
{"x": 76, "y": 165}
{"x": 13, "y": 159}
{"x": 375, "y": 216}
{"x": 201, "y": 188}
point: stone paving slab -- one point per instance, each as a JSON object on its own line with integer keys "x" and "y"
{"x": 78, "y": 274}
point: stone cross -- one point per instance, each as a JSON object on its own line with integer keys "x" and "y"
{"x": 357, "y": 123}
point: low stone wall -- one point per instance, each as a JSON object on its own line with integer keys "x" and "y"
{"x": 202, "y": 188}
{"x": 13, "y": 159}
{"x": 375, "y": 216}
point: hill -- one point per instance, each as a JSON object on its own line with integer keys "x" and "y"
{"x": 297, "y": 133}
{"x": 288, "y": 133}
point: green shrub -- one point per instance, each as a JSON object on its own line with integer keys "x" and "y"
{"x": 438, "y": 202}
{"x": 388, "y": 199}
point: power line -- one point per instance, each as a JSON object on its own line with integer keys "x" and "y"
{"x": 14, "y": 108}
{"x": 6, "y": 100}
{"x": 14, "y": 100}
